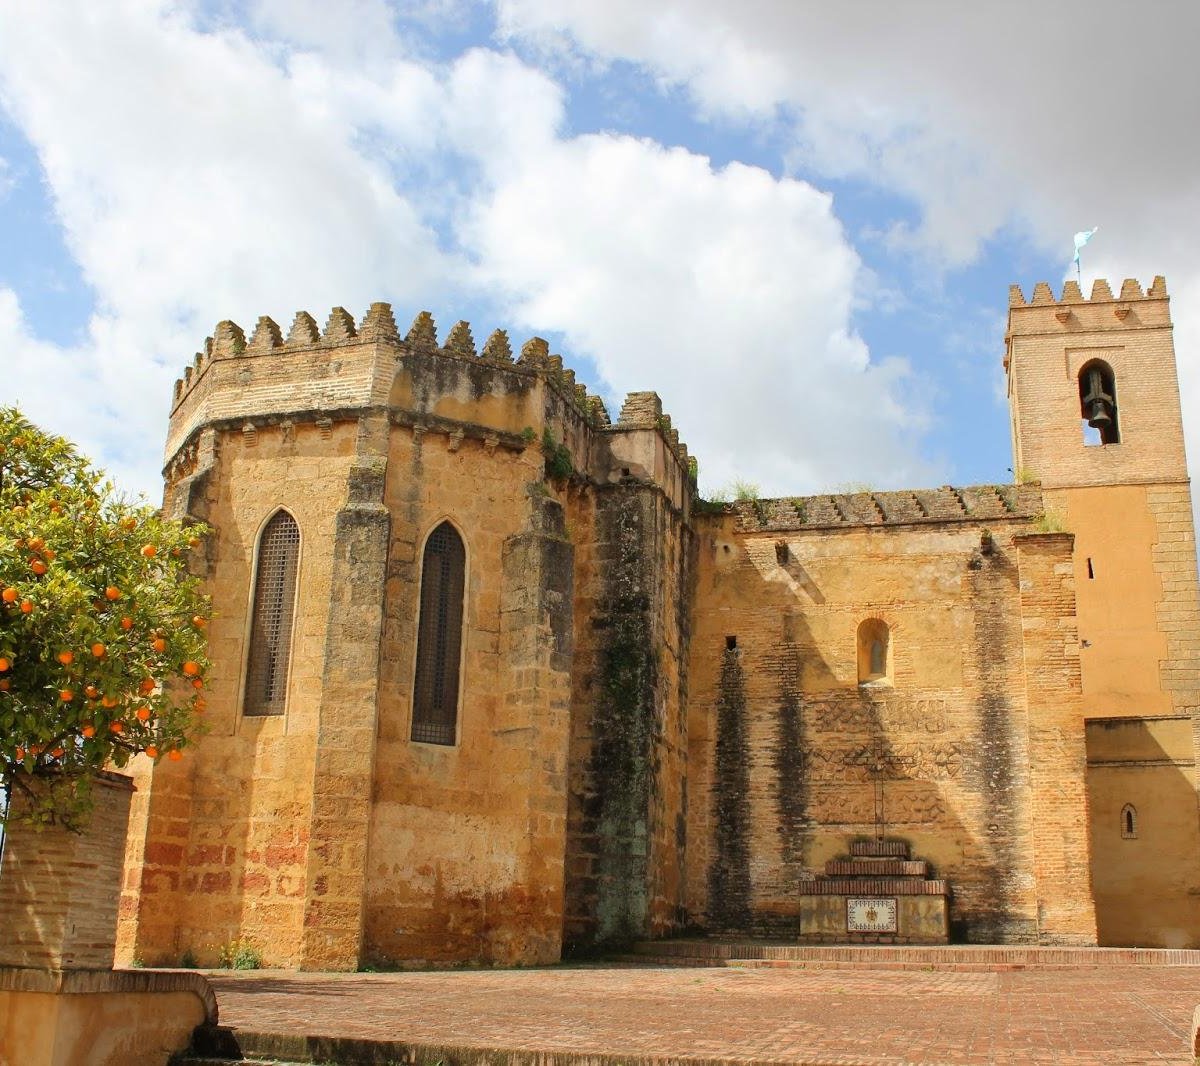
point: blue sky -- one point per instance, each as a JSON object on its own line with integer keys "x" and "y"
{"x": 796, "y": 222}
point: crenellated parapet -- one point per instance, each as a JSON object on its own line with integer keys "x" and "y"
{"x": 1131, "y": 308}
{"x": 327, "y": 373}
{"x": 970, "y": 504}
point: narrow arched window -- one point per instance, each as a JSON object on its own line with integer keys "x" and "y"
{"x": 874, "y": 651}
{"x": 439, "y": 638}
{"x": 271, "y": 617}
{"x": 1098, "y": 403}
{"x": 1129, "y": 822}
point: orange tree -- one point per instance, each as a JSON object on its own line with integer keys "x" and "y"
{"x": 101, "y": 627}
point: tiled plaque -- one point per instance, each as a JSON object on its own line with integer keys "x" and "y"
{"x": 870, "y": 915}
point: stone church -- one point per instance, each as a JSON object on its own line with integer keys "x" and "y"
{"x": 492, "y": 683}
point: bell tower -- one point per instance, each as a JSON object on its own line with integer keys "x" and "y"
{"x": 1096, "y": 418}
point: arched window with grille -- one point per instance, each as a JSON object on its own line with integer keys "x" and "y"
{"x": 439, "y": 638}
{"x": 1129, "y": 826}
{"x": 271, "y": 616}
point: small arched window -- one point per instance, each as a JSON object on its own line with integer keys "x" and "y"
{"x": 271, "y": 616}
{"x": 874, "y": 652}
{"x": 439, "y": 638}
{"x": 1129, "y": 822}
{"x": 1098, "y": 403}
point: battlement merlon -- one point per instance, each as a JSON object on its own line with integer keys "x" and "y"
{"x": 1073, "y": 313}
{"x": 311, "y": 374}
{"x": 643, "y": 444}
{"x": 979, "y": 505}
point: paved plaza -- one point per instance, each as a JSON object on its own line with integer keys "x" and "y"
{"x": 1077, "y": 1017}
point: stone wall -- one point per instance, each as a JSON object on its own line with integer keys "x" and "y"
{"x": 785, "y": 740}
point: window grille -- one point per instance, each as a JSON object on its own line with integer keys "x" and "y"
{"x": 271, "y": 629}
{"x": 1129, "y": 825}
{"x": 439, "y": 638}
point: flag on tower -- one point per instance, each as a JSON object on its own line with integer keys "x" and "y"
{"x": 1081, "y": 238}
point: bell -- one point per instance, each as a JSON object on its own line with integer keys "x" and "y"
{"x": 1098, "y": 416}
{"x": 1097, "y": 402}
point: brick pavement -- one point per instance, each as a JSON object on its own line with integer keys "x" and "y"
{"x": 830, "y": 1017}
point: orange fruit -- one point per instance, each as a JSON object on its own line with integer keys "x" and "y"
{"x": 126, "y": 622}
{"x": 149, "y": 551}
{"x": 129, "y": 523}
{"x": 50, "y": 554}
{"x": 9, "y": 595}
{"x": 35, "y": 749}
{"x": 191, "y": 668}
{"x": 36, "y": 543}
{"x": 26, "y": 606}
{"x": 91, "y": 692}
{"x": 5, "y": 664}
{"x": 66, "y": 657}
{"x": 20, "y": 754}
{"x": 194, "y": 542}
{"x": 174, "y": 755}
{"x": 152, "y": 751}
{"x": 112, "y": 592}
{"x": 198, "y": 621}
{"x": 116, "y": 727}
{"x": 66, "y": 695}
{"x": 98, "y": 650}
{"x": 159, "y": 644}
{"x": 37, "y": 566}
{"x": 109, "y": 701}
{"x": 58, "y": 753}
{"x": 88, "y": 731}
{"x": 143, "y": 714}
{"x": 147, "y": 686}
{"x": 197, "y": 683}
{"x": 5, "y": 684}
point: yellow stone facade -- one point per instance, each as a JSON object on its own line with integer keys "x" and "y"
{"x": 669, "y": 712}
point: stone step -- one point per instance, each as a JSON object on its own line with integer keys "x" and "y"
{"x": 877, "y": 868}
{"x": 878, "y": 849}
{"x": 876, "y": 886}
{"x": 932, "y": 957}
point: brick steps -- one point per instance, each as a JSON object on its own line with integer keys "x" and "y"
{"x": 258, "y": 1049}
{"x": 962, "y": 957}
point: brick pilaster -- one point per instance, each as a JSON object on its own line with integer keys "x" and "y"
{"x": 1057, "y": 752}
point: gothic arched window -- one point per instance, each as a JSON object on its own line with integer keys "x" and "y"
{"x": 1129, "y": 822}
{"x": 874, "y": 651}
{"x": 1098, "y": 403}
{"x": 271, "y": 616}
{"x": 439, "y": 638}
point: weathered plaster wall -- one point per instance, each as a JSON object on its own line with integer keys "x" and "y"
{"x": 1145, "y": 763}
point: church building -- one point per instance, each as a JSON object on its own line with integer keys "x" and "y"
{"x": 491, "y": 682}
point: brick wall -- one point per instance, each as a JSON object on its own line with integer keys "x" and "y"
{"x": 59, "y": 889}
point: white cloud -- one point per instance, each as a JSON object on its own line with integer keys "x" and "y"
{"x": 195, "y": 180}
{"x": 727, "y": 291}
{"x": 208, "y": 174}
{"x": 1041, "y": 120}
